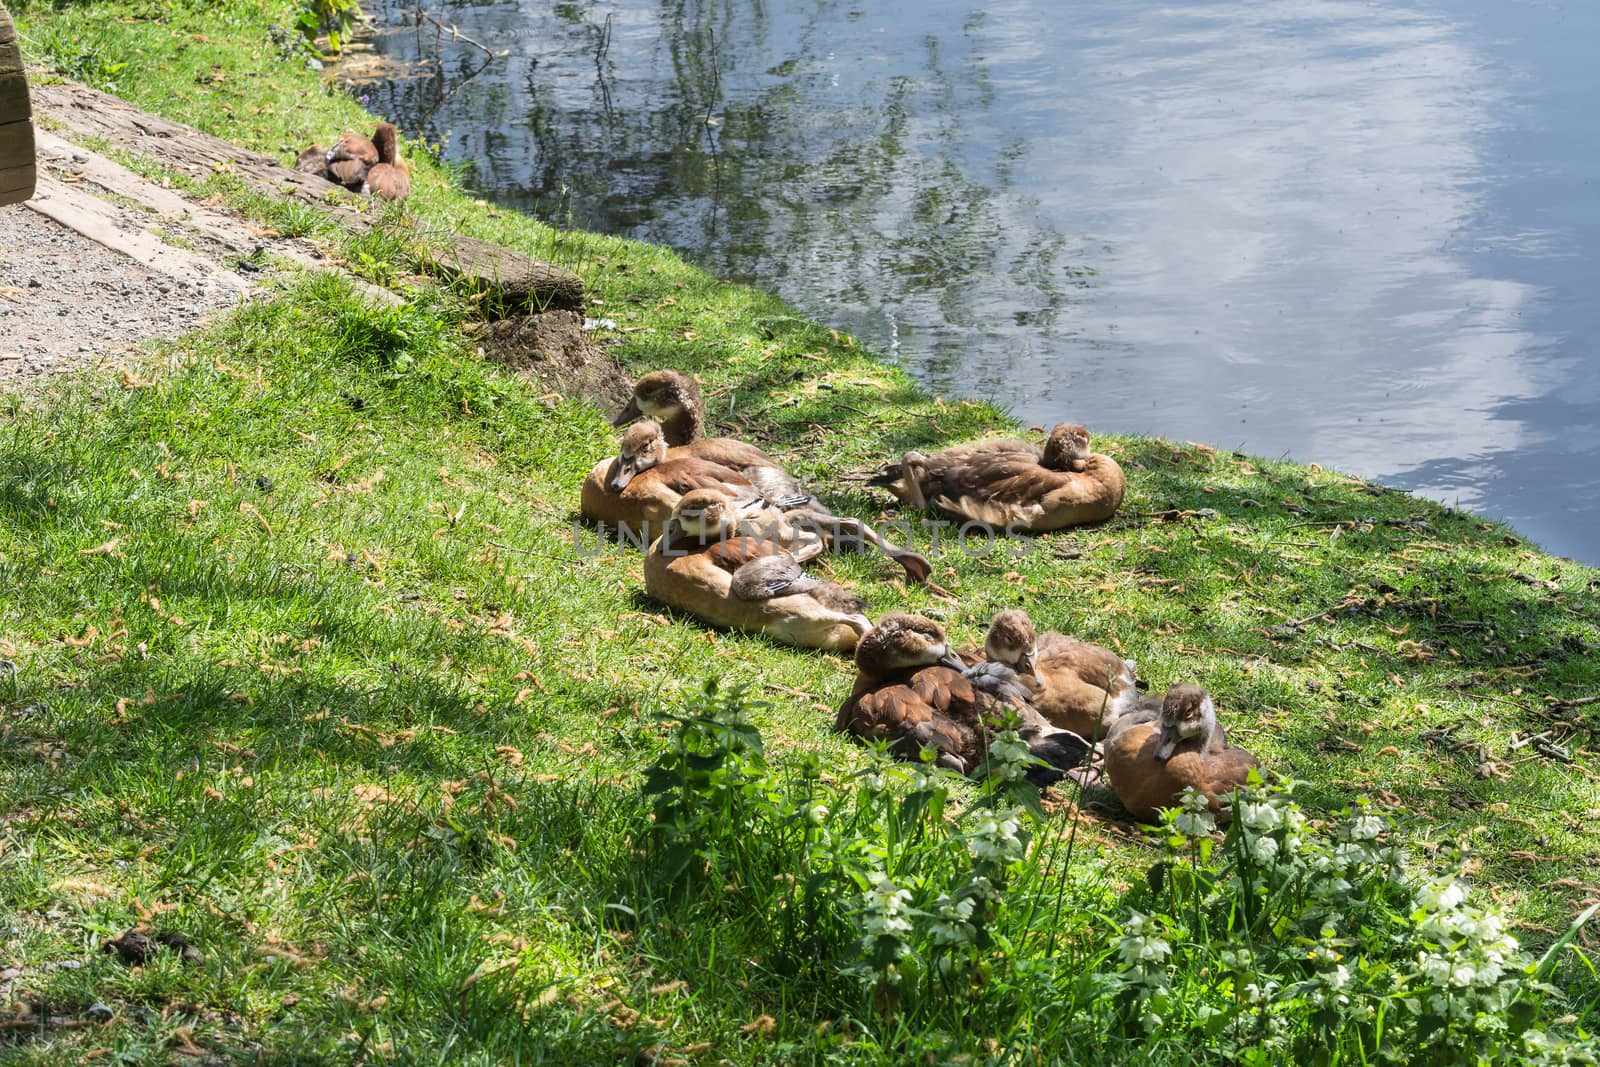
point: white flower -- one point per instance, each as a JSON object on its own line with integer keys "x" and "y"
{"x": 1441, "y": 896}
{"x": 1263, "y": 848}
{"x": 994, "y": 835}
{"x": 817, "y": 813}
{"x": 952, "y": 926}
{"x": 1195, "y": 824}
{"x": 1337, "y": 978}
{"x": 1010, "y": 748}
{"x": 1259, "y": 817}
{"x": 1366, "y": 828}
{"x": 1237, "y": 959}
{"x": 1139, "y": 945}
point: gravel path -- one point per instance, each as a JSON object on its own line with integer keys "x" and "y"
{"x": 67, "y": 301}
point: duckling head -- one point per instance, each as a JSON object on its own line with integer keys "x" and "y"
{"x": 661, "y": 395}
{"x": 643, "y": 447}
{"x": 900, "y": 642}
{"x": 1186, "y": 713}
{"x": 386, "y": 139}
{"x": 1067, "y": 449}
{"x": 1011, "y": 641}
{"x": 703, "y": 513}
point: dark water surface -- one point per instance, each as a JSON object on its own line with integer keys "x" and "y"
{"x": 1365, "y": 234}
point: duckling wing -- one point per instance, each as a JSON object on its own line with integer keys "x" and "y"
{"x": 998, "y": 681}
{"x": 1092, "y": 664}
{"x": 685, "y": 475}
{"x": 353, "y": 146}
{"x": 351, "y": 173}
{"x": 731, "y": 553}
{"x": 771, "y": 576}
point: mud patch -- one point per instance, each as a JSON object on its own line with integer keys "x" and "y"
{"x": 554, "y": 349}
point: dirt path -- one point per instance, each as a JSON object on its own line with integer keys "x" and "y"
{"x": 102, "y": 259}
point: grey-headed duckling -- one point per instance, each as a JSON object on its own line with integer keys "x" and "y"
{"x": 703, "y": 565}
{"x": 1157, "y": 750}
{"x": 1014, "y": 485}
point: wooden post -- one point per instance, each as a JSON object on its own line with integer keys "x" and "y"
{"x": 16, "y": 128}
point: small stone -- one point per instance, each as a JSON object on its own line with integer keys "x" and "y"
{"x": 100, "y": 1012}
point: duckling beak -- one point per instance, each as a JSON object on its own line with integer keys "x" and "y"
{"x": 1166, "y": 745}
{"x": 1026, "y": 667}
{"x": 672, "y": 535}
{"x": 628, "y": 414}
{"x": 622, "y": 471}
{"x": 952, "y": 659}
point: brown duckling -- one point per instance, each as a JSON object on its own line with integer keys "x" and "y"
{"x": 637, "y": 490}
{"x": 389, "y": 177}
{"x": 1153, "y": 753}
{"x": 672, "y": 399}
{"x": 1075, "y": 685}
{"x": 699, "y": 564}
{"x": 676, "y": 397}
{"x": 911, "y": 691}
{"x": 313, "y": 160}
{"x": 1014, "y": 485}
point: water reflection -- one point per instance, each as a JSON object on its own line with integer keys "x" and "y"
{"x": 1279, "y": 225}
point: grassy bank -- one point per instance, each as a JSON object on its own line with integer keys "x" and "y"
{"x": 314, "y": 666}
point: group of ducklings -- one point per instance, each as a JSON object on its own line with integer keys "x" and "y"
{"x": 729, "y": 531}
{"x": 370, "y": 166}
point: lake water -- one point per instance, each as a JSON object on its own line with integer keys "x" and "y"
{"x": 1365, "y": 234}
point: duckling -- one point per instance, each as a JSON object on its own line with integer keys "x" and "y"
{"x": 1153, "y": 752}
{"x": 637, "y": 490}
{"x": 675, "y": 398}
{"x": 911, "y": 691}
{"x": 1075, "y": 685}
{"x": 702, "y": 565}
{"x": 672, "y": 399}
{"x": 313, "y": 160}
{"x": 389, "y": 177}
{"x": 1014, "y": 485}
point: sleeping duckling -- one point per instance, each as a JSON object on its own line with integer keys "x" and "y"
{"x": 637, "y": 490}
{"x": 1014, "y": 485}
{"x": 672, "y": 399}
{"x": 1153, "y": 753}
{"x": 351, "y": 156}
{"x": 1075, "y": 685}
{"x": 674, "y": 394}
{"x": 702, "y": 565}
{"x": 911, "y": 690}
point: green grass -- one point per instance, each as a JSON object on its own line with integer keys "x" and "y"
{"x": 314, "y": 666}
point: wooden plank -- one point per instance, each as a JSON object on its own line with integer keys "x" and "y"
{"x": 97, "y": 220}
